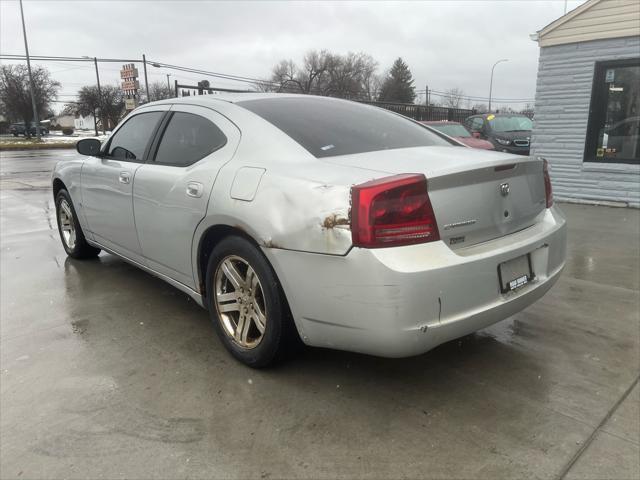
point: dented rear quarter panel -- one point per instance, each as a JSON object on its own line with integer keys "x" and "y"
{"x": 300, "y": 203}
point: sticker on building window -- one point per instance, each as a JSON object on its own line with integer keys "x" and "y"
{"x": 610, "y": 75}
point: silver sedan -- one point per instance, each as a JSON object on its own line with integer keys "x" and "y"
{"x": 306, "y": 219}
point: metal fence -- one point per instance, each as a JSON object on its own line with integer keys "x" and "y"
{"x": 425, "y": 112}
{"x": 202, "y": 88}
{"x": 417, "y": 112}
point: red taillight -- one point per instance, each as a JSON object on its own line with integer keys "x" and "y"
{"x": 392, "y": 211}
{"x": 547, "y": 183}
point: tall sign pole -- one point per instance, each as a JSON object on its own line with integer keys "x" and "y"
{"x": 130, "y": 85}
{"x": 31, "y": 89}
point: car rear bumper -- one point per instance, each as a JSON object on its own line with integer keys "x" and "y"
{"x": 397, "y": 302}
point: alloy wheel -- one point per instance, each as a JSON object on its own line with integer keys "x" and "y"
{"x": 240, "y": 301}
{"x": 67, "y": 225}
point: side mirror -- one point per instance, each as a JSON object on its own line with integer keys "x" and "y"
{"x": 475, "y": 134}
{"x": 89, "y": 146}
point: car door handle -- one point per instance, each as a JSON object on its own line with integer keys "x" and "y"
{"x": 125, "y": 177}
{"x": 194, "y": 189}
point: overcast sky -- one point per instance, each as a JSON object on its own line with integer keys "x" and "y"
{"x": 446, "y": 44}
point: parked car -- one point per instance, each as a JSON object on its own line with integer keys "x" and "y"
{"x": 17, "y": 129}
{"x": 507, "y": 132}
{"x": 459, "y": 132}
{"x": 293, "y": 217}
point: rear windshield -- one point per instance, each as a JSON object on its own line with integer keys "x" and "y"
{"x": 327, "y": 128}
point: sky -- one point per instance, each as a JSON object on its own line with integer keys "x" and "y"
{"x": 446, "y": 44}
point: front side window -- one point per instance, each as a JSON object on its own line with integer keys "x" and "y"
{"x": 327, "y": 127}
{"x": 510, "y": 123}
{"x": 613, "y": 134}
{"x": 130, "y": 141}
{"x": 187, "y": 139}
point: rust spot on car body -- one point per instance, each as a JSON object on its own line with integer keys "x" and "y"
{"x": 270, "y": 244}
{"x": 334, "y": 220}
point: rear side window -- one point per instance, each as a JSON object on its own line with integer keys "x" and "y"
{"x": 130, "y": 141}
{"x": 187, "y": 139}
{"x": 328, "y": 128}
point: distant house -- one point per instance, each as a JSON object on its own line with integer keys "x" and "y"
{"x": 587, "y": 122}
{"x": 84, "y": 123}
{"x": 63, "y": 121}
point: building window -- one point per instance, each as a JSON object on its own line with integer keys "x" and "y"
{"x": 613, "y": 134}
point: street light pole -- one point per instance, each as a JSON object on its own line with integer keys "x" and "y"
{"x": 146, "y": 81}
{"x": 491, "y": 82}
{"x": 27, "y": 128}
{"x": 104, "y": 128}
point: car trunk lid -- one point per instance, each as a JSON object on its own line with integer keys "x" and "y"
{"x": 476, "y": 195}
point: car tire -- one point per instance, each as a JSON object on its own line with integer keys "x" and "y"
{"x": 243, "y": 338}
{"x": 71, "y": 234}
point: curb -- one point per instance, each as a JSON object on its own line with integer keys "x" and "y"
{"x": 37, "y": 146}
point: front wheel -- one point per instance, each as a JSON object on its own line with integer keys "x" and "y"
{"x": 246, "y": 304}
{"x": 69, "y": 228}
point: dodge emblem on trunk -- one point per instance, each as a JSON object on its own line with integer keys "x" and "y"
{"x": 504, "y": 189}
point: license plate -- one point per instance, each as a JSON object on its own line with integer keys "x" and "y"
{"x": 515, "y": 273}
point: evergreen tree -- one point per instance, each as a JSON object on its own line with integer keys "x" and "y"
{"x": 398, "y": 86}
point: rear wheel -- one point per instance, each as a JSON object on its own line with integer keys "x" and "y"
{"x": 246, "y": 304}
{"x": 71, "y": 233}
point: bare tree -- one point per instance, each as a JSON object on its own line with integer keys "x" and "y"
{"x": 15, "y": 98}
{"x": 285, "y": 76}
{"x": 324, "y": 73}
{"x": 314, "y": 74}
{"x": 160, "y": 91}
{"x": 349, "y": 75}
{"x": 108, "y": 108}
{"x": 453, "y": 98}
{"x": 480, "y": 107}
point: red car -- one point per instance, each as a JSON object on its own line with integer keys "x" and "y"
{"x": 460, "y": 133}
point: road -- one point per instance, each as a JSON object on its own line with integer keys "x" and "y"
{"x": 106, "y": 371}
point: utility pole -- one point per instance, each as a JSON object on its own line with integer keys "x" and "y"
{"x": 146, "y": 81}
{"x": 426, "y": 95}
{"x": 31, "y": 86}
{"x": 168, "y": 84}
{"x": 491, "y": 82}
{"x": 104, "y": 131}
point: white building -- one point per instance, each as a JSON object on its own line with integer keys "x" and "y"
{"x": 587, "y": 112}
{"x": 63, "y": 121}
{"x": 84, "y": 123}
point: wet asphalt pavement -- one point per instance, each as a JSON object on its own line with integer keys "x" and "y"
{"x": 107, "y": 372}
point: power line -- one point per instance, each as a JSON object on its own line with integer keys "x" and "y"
{"x": 229, "y": 77}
